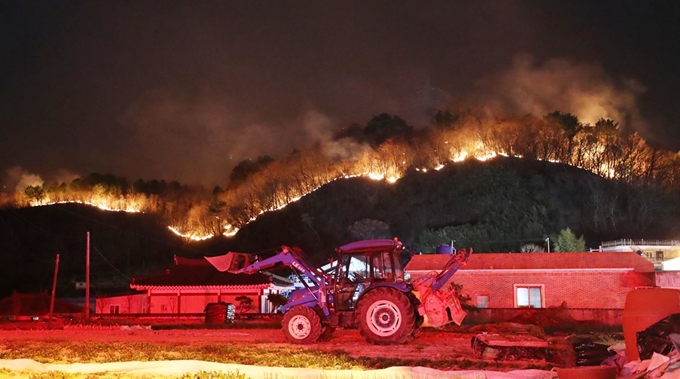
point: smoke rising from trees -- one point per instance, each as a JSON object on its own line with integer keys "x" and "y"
{"x": 583, "y": 89}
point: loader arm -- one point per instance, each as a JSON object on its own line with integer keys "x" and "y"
{"x": 451, "y": 267}
{"x": 242, "y": 263}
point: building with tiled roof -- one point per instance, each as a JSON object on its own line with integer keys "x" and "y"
{"x": 190, "y": 285}
{"x": 589, "y": 280}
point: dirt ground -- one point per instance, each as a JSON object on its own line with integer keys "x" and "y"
{"x": 427, "y": 345}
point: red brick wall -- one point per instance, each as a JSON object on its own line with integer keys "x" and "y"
{"x": 579, "y": 289}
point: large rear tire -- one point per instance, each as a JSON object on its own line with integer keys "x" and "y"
{"x": 386, "y": 316}
{"x": 301, "y": 325}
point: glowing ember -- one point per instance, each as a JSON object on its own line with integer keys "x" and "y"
{"x": 229, "y": 231}
{"x": 190, "y": 236}
{"x": 102, "y": 206}
{"x": 375, "y": 176}
{"x": 486, "y": 157}
{"x": 459, "y": 158}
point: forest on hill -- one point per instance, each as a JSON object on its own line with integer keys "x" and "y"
{"x": 385, "y": 148}
{"x": 532, "y": 178}
{"x": 492, "y": 206}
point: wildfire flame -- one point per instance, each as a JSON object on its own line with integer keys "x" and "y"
{"x": 190, "y": 236}
{"x": 387, "y": 165}
{"x": 193, "y": 234}
{"x": 103, "y": 205}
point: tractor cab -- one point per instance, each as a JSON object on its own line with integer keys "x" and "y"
{"x": 363, "y": 265}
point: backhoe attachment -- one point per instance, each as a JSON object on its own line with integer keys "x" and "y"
{"x": 439, "y": 302}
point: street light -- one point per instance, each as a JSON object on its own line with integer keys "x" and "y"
{"x": 547, "y": 240}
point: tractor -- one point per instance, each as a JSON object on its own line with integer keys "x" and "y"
{"x": 365, "y": 289}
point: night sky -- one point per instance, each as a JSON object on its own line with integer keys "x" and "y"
{"x": 184, "y": 90}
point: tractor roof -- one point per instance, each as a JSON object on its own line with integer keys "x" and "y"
{"x": 370, "y": 245}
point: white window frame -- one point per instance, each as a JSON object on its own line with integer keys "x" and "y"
{"x": 488, "y": 300}
{"x": 541, "y": 286}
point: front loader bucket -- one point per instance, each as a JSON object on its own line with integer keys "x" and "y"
{"x": 231, "y": 262}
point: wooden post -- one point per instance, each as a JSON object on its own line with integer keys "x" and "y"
{"x": 54, "y": 289}
{"x": 87, "y": 278}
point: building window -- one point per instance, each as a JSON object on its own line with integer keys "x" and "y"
{"x": 164, "y": 308}
{"x": 659, "y": 255}
{"x": 482, "y": 301}
{"x": 530, "y": 296}
{"x": 114, "y": 309}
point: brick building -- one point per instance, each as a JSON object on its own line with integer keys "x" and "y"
{"x": 593, "y": 280}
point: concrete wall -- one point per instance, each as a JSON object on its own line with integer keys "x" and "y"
{"x": 134, "y": 303}
{"x": 161, "y": 303}
{"x": 668, "y": 279}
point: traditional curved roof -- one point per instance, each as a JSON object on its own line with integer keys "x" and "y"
{"x": 192, "y": 272}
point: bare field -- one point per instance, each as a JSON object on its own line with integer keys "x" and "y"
{"x": 446, "y": 350}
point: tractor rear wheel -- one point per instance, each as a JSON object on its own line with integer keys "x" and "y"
{"x": 386, "y": 316}
{"x": 301, "y": 325}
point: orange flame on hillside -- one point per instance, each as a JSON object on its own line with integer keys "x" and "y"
{"x": 389, "y": 165}
{"x": 129, "y": 204}
{"x": 102, "y": 204}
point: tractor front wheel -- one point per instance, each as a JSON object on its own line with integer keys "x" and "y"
{"x": 386, "y": 316}
{"x": 301, "y": 325}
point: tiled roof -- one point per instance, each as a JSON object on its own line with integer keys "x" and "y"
{"x": 536, "y": 261}
{"x": 189, "y": 272}
{"x": 34, "y": 304}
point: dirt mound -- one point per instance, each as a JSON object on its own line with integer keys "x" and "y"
{"x": 545, "y": 317}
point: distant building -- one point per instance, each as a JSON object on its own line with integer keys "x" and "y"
{"x": 656, "y": 251}
{"x": 190, "y": 285}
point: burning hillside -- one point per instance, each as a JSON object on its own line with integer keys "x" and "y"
{"x": 382, "y": 153}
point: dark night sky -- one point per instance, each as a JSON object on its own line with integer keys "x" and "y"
{"x": 186, "y": 89}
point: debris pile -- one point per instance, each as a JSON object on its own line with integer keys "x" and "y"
{"x": 545, "y": 317}
{"x": 656, "y": 338}
{"x": 589, "y": 353}
{"x": 659, "y": 349}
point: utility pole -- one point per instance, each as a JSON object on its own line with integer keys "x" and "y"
{"x": 54, "y": 288}
{"x": 87, "y": 278}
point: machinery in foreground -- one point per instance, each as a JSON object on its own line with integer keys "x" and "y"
{"x": 365, "y": 288}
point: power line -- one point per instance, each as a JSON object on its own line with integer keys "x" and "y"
{"x": 109, "y": 263}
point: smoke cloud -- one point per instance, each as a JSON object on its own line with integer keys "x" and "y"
{"x": 200, "y": 139}
{"x": 582, "y": 89}
{"x": 18, "y": 178}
